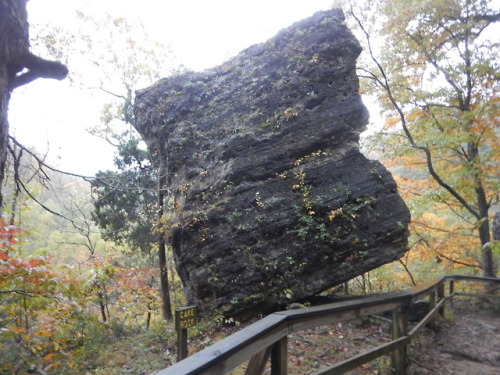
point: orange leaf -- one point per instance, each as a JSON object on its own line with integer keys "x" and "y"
{"x": 49, "y": 357}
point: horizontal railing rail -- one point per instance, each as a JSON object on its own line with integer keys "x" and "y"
{"x": 267, "y": 338}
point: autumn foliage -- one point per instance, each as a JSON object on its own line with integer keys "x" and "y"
{"x": 53, "y": 317}
{"x": 434, "y": 70}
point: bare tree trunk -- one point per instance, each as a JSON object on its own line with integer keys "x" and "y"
{"x": 4, "y": 125}
{"x": 14, "y": 57}
{"x": 16, "y": 156}
{"x": 148, "y": 316}
{"x": 13, "y": 36}
{"x": 162, "y": 254}
{"x": 102, "y": 305}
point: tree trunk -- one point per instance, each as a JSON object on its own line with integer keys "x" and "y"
{"x": 102, "y": 306}
{"x": 162, "y": 254}
{"x": 487, "y": 262}
{"x": 14, "y": 57}
{"x": 4, "y": 124}
{"x": 13, "y": 39}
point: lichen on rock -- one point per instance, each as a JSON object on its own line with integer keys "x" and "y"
{"x": 272, "y": 199}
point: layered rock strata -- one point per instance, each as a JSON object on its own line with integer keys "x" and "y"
{"x": 272, "y": 200}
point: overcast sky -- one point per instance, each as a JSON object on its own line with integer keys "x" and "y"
{"x": 53, "y": 117}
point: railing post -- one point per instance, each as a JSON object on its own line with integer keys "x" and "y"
{"x": 182, "y": 347}
{"x": 279, "y": 357}
{"x": 399, "y": 329}
{"x": 432, "y": 299}
{"x": 257, "y": 363}
{"x": 440, "y": 294}
{"x": 451, "y": 291}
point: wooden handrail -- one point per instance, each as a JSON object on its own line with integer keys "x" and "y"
{"x": 266, "y": 337}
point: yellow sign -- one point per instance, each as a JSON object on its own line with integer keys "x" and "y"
{"x": 185, "y": 317}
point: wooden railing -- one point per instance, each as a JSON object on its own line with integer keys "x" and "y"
{"x": 268, "y": 336}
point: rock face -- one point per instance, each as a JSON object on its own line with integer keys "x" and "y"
{"x": 273, "y": 201}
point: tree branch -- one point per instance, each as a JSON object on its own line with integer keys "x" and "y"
{"x": 42, "y": 163}
{"x": 456, "y": 261}
{"x": 38, "y": 68}
{"x": 28, "y": 294}
{"x": 108, "y": 92}
{"x": 423, "y": 224}
{"x": 434, "y": 63}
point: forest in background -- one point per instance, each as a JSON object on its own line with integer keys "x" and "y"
{"x": 78, "y": 260}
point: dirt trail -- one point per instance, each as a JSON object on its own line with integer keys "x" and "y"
{"x": 466, "y": 344}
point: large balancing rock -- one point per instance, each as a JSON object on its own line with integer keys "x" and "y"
{"x": 273, "y": 201}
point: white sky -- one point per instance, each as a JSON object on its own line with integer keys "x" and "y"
{"x": 53, "y": 117}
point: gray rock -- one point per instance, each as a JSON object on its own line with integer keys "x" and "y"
{"x": 272, "y": 200}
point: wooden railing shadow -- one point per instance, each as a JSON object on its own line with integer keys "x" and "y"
{"x": 267, "y": 338}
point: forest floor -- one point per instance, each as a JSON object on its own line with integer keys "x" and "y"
{"x": 465, "y": 342}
